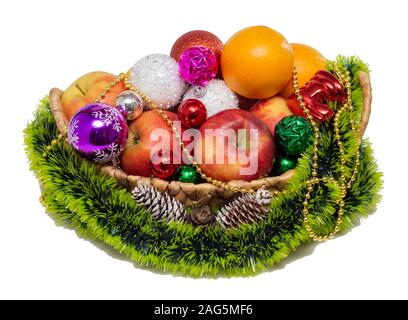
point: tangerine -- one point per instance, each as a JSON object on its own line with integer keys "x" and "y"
{"x": 307, "y": 62}
{"x": 257, "y": 62}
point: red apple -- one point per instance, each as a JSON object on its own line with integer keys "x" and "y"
{"x": 86, "y": 89}
{"x": 135, "y": 159}
{"x": 271, "y": 111}
{"x": 235, "y": 145}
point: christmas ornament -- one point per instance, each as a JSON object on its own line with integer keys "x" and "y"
{"x": 247, "y": 208}
{"x": 216, "y": 97}
{"x": 162, "y": 165}
{"x": 323, "y": 87}
{"x": 98, "y": 132}
{"x": 157, "y": 76}
{"x": 257, "y": 62}
{"x": 132, "y": 104}
{"x": 189, "y": 174}
{"x": 198, "y": 66}
{"x": 159, "y": 204}
{"x": 293, "y": 135}
{"x": 197, "y": 38}
{"x": 283, "y": 164}
{"x": 192, "y": 113}
{"x": 201, "y": 216}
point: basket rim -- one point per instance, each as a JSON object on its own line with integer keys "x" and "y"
{"x": 201, "y": 194}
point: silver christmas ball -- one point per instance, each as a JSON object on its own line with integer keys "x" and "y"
{"x": 131, "y": 102}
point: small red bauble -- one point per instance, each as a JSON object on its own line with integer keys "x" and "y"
{"x": 197, "y": 38}
{"x": 192, "y": 113}
{"x": 162, "y": 165}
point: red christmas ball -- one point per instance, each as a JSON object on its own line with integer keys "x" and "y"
{"x": 197, "y": 38}
{"x": 192, "y": 113}
{"x": 162, "y": 165}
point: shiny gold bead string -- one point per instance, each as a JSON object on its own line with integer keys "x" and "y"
{"x": 177, "y": 134}
{"x": 341, "y": 183}
{"x": 109, "y": 87}
{"x": 344, "y": 77}
{"x": 54, "y": 142}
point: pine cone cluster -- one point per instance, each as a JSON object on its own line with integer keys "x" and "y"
{"x": 159, "y": 204}
{"x": 247, "y": 208}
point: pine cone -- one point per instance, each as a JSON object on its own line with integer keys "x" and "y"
{"x": 201, "y": 216}
{"x": 248, "y": 208}
{"x": 159, "y": 204}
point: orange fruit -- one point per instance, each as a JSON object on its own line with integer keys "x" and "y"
{"x": 307, "y": 62}
{"x": 257, "y": 62}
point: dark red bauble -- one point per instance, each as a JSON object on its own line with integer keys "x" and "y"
{"x": 197, "y": 38}
{"x": 162, "y": 165}
{"x": 192, "y": 113}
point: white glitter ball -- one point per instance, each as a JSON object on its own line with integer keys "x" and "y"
{"x": 216, "y": 96}
{"x": 157, "y": 76}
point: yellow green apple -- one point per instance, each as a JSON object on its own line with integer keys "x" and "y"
{"x": 86, "y": 89}
{"x": 271, "y": 111}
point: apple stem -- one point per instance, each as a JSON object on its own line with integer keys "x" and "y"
{"x": 80, "y": 89}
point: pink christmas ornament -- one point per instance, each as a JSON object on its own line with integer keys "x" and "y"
{"x": 198, "y": 66}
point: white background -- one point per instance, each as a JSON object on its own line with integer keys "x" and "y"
{"x": 45, "y": 44}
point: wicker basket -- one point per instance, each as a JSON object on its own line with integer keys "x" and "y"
{"x": 202, "y": 194}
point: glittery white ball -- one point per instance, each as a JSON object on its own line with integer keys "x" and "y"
{"x": 216, "y": 96}
{"x": 157, "y": 76}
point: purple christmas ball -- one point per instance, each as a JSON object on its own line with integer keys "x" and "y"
{"x": 198, "y": 66}
{"x": 98, "y": 132}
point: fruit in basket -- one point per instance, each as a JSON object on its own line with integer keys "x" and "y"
{"x": 144, "y": 133}
{"x": 235, "y": 145}
{"x": 86, "y": 89}
{"x": 271, "y": 111}
{"x": 307, "y": 62}
{"x": 257, "y": 62}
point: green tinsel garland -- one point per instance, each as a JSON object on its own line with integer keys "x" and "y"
{"x": 78, "y": 195}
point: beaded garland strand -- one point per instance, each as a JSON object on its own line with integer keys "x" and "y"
{"x": 344, "y": 77}
{"x": 341, "y": 183}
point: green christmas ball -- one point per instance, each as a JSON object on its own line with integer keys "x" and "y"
{"x": 293, "y": 135}
{"x": 283, "y": 164}
{"x": 188, "y": 174}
